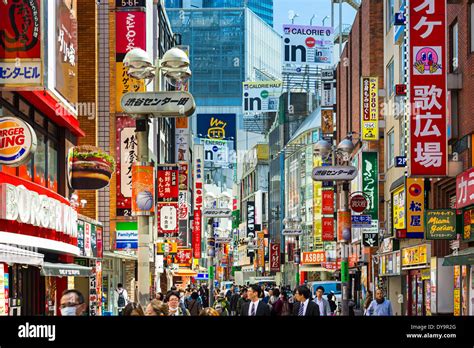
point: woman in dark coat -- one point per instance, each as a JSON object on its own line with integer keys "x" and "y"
{"x": 194, "y": 307}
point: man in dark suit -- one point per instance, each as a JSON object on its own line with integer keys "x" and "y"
{"x": 256, "y": 307}
{"x": 304, "y": 306}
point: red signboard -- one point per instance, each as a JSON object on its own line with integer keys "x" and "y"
{"x": 428, "y": 69}
{"x": 328, "y": 229}
{"x": 197, "y": 234}
{"x": 328, "y": 202}
{"x": 184, "y": 256}
{"x": 313, "y": 257}
{"x": 130, "y": 30}
{"x": 183, "y": 205}
{"x": 167, "y": 183}
{"x": 167, "y": 218}
{"x": 20, "y": 23}
{"x": 274, "y": 257}
{"x": 358, "y": 203}
{"x": 465, "y": 189}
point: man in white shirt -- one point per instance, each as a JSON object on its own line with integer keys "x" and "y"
{"x": 304, "y": 307}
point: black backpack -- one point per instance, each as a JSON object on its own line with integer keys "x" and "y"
{"x": 121, "y": 299}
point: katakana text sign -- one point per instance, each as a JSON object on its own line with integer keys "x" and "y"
{"x": 369, "y": 108}
{"x": 159, "y": 104}
{"x": 334, "y": 173}
{"x": 428, "y": 68}
{"x": 167, "y": 183}
{"x": 465, "y": 189}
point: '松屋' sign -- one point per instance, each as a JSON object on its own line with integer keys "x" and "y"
{"x": 428, "y": 123}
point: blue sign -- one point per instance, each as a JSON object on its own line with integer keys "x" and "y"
{"x": 361, "y": 220}
{"x": 217, "y": 126}
{"x": 400, "y": 161}
{"x": 202, "y": 276}
{"x": 400, "y": 18}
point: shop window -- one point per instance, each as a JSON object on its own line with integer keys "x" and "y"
{"x": 391, "y": 78}
{"x": 390, "y": 10}
{"x": 454, "y": 31}
{"x": 40, "y": 161}
{"x": 52, "y": 166}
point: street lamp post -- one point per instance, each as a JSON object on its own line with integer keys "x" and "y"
{"x": 293, "y": 229}
{"x": 175, "y": 66}
{"x": 343, "y": 150}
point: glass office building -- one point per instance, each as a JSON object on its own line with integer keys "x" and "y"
{"x": 262, "y": 8}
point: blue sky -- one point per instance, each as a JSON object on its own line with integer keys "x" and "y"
{"x": 305, "y": 10}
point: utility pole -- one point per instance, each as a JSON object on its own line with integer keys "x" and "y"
{"x": 210, "y": 256}
{"x": 345, "y": 254}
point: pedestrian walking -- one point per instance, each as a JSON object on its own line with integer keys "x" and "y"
{"x": 133, "y": 309}
{"x": 368, "y": 300}
{"x": 242, "y": 300}
{"x": 380, "y": 306}
{"x": 160, "y": 297}
{"x": 221, "y": 305}
{"x": 157, "y": 308}
{"x": 233, "y": 301}
{"x": 303, "y": 306}
{"x": 324, "y": 307}
{"x": 174, "y": 307}
{"x": 332, "y": 303}
{"x": 255, "y": 307}
{"x": 194, "y": 306}
{"x": 122, "y": 298}
{"x": 72, "y": 303}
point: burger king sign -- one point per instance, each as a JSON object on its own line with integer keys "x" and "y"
{"x": 17, "y": 141}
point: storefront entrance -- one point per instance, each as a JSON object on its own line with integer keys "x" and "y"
{"x": 418, "y": 288}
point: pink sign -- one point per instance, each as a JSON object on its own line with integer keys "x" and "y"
{"x": 465, "y": 189}
{"x": 130, "y": 30}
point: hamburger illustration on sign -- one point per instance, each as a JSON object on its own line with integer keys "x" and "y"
{"x": 17, "y": 141}
{"x": 89, "y": 168}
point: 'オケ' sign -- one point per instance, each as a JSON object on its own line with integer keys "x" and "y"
{"x": 17, "y": 141}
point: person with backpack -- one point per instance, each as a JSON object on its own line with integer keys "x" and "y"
{"x": 194, "y": 306}
{"x": 221, "y": 305}
{"x": 122, "y": 298}
{"x": 233, "y": 302}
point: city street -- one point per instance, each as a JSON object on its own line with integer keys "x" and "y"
{"x": 237, "y": 158}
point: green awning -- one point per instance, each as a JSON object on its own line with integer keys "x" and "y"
{"x": 65, "y": 269}
{"x": 463, "y": 257}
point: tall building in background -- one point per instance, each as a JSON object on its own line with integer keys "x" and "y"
{"x": 262, "y": 8}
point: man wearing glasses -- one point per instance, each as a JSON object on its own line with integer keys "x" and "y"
{"x": 72, "y": 303}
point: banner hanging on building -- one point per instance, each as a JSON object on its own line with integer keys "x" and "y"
{"x": 167, "y": 218}
{"x": 143, "y": 189}
{"x": 274, "y": 257}
{"x": 127, "y": 154}
{"x": 216, "y": 153}
{"x": 130, "y": 32}
{"x": 20, "y": 44}
{"x": 428, "y": 71}
{"x": 327, "y": 121}
{"x": 441, "y": 224}
{"x": 398, "y": 206}
{"x": 260, "y": 249}
{"x": 465, "y": 189}
{"x": 369, "y": 108}
{"x": 415, "y": 204}
{"x": 261, "y": 96}
{"x": 307, "y": 45}
{"x": 217, "y": 126}
{"x": 370, "y": 183}
{"x": 182, "y": 139}
{"x": 328, "y": 229}
{"x": 198, "y": 199}
{"x": 167, "y": 182}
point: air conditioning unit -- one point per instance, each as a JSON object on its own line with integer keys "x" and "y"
{"x": 381, "y": 177}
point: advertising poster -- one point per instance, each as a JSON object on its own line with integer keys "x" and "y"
{"x": 327, "y": 121}
{"x": 441, "y": 224}
{"x": 130, "y": 31}
{"x": 125, "y": 84}
{"x": 415, "y": 204}
{"x": 307, "y": 45}
{"x": 427, "y": 88}
{"x": 182, "y": 143}
{"x": 183, "y": 210}
{"x": 183, "y": 176}
{"x": 127, "y": 154}
{"x": 217, "y": 126}
{"x": 143, "y": 190}
{"x": 328, "y": 201}
{"x": 370, "y": 182}
{"x": 184, "y": 256}
{"x": 398, "y": 207}
{"x": 198, "y": 171}
{"x": 343, "y": 222}
{"x": 167, "y": 182}
{"x": 369, "y": 108}
{"x": 328, "y": 229}
{"x": 260, "y": 249}
{"x": 167, "y": 218}
{"x": 274, "y": 257}
{"x": 20, "y": 44}
{"x": 216, "y": 153}
{"x": 261, "y": 96}
{"x": 66, "y": 49}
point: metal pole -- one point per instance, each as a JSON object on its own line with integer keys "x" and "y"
{"x": 340, "y": 28}
{"x": 345, "y": 256}
{"x": 143, "y": 221}
{"x": 298, "y": 252}
{"x": 210, "y": 256}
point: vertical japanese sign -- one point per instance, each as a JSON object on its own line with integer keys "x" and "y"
{"x": 66, "y": 49}
{"x": 127, "y": 147}
{"x": 130, "y": 29}
{"x": 20, "y": 44}
{"x": 465, "y": 189}
{"x": 198, "y": 197}
{"x": 328, "y": 229}
{"x": 184, "y": 256}
{"x": 182, "y": 139}
{"x": 167, "y": 182}
{"x": 328, "y": 201}
{"x": 415, "y": 204}
{"x": 370, "y": 183}
{"x": 398, "y": 207}
{"x": 274, "y": 257}
{"x": 369, "y": 88}
{"x": 261, "y": 249}
{"x": 167, "y": 218}
{"x": 143, "y": 190}
{"x": 183, "y": 205}
{"x": 428, "y": 69}
{"x": 317, "y": 208}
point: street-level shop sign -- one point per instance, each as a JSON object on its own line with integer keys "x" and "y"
{"x": 166, "y": 247}
{"x": 361, "y": 221}
{"x": 313, "y": 257}
{"x": 288, "y": 232}
{"x": 441, "y": 224}
{"x": 465, "y": 189}
{"x": 159, "y": 104}
{"x": 17, "y": 141}
{"x": 358, "y": 203}
{"x": 400, "y": 161}
{"x": 126, "y": 235}
{"x": 217, "y": 212}
{"x": 334, "y": 173}
{"x": 416, "y": 256}
{"x": 370, "y": 239}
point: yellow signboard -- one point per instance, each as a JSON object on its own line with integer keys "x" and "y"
{"x": 369, "y": 92}
{"x": 399, "y": 208}
{"x": 125, "y": 84}
{"x": 413, "y": 256}
{"x": 415, "y": 204}
{"x": 172, "y": 248}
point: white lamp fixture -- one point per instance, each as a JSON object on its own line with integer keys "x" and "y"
{"x": 175, "y": 58}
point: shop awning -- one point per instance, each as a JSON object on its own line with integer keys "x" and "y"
{"x": 463, "y": 257}
{"x": 183, "y": 272}
{"x": 65, "y": 269}
{"x": 10, "y": 254}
